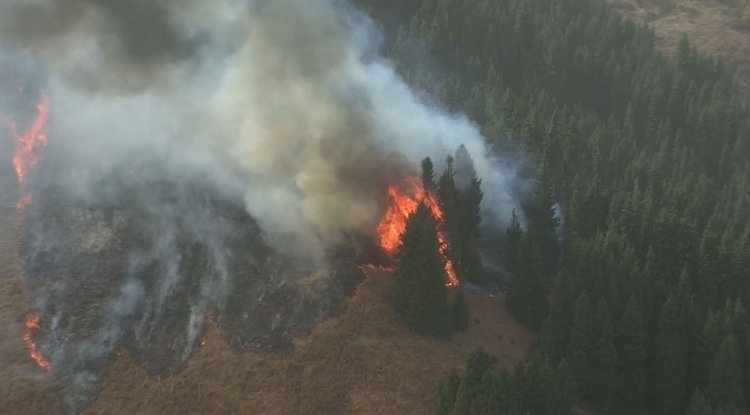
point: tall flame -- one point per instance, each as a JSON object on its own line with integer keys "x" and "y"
{"x": 28, "y": 146}
{"x": 403, "y": 200}
{"x": 32, "y": 324}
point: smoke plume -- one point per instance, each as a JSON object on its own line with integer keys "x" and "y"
{"x": 283, "y": 105}
{"x": 285, "y": 101}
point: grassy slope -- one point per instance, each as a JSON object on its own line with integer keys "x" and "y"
{"x": 715, "y": 27}
{"x": 363, "y": 362}
{"x": 24, "y": 388}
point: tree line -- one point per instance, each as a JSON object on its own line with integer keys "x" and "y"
{"x": 633, "y": 255}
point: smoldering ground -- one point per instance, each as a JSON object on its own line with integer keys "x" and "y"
{"x": 191, "y": 144}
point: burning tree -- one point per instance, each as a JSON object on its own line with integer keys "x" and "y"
{"x": 421, "y": 293}
{"x": 460, "y": 194}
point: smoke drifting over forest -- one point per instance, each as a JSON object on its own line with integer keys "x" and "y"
{"x": 286, "y": 102}
{"x": 282, "y": 105}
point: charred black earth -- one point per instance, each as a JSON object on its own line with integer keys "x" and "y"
{"x": 143, "y": 263}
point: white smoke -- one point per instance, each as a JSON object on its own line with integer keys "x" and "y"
{"x": 285, "y": 101}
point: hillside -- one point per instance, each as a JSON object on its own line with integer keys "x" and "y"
{"x": 717, "y": 28}
{"x": 364, "y": 361}
{"x": 23, "y": 386}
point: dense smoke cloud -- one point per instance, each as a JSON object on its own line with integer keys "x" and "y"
{"x": 284, "y": 106}
{"x": 285, "y": 101}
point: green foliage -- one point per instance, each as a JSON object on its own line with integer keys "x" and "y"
{"x": 460, "y": 194}
{"x": 446, "y": 394}
{"x": 581, "y": 347}
{"x": 526, "y": 296}
{"x": 725, "y": 383}
{"x": 649, "y": 158}
{"x": 604, "y": 358}
{"x": 670, "y": 370}
{"x": 534, "y": 387}
{"x": 421, "y": 295}
{"x": 632, "y": 366}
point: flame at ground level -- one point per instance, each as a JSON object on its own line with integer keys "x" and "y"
{"x": 403, "y": 200}
{"x": 32, "y": 324}
{"x": 29, "y": 143}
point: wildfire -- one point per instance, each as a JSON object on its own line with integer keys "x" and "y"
{"x": 32, "y": 324}
{"x": 29, "y": 143}
{"x": 403, "y": 200}
{"x": 28, "y": 146}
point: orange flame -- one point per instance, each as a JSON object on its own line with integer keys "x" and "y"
{"x": 32, "y": 324}
{"x": 29, "y": 143}
{"x": 403, "y": 200}
{"x": 26, "y": 156}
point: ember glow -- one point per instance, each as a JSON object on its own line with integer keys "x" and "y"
{"x": 29, "y": 144}
{"x": 32, "y": 325}
{"x": 403, "y": 200}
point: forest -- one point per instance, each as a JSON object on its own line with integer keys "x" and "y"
{"x": 639, "y": 290}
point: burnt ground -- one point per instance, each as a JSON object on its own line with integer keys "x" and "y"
{"x": 362, "y": 362}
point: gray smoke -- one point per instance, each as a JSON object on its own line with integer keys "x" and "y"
{"x": 285, "y": 101}
{"x": 283, "y": 104}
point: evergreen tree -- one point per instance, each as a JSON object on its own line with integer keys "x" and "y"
{"x": 428, "y": 174}
{"x": 514, "y": 234}
{"x": 700, "y": 406}
{"x": 604, "y": 358}
{"x": 446, "y": 394}
{"x": 526, "y": 297}
{"x": 725, "y": 385}
{"x": 581, "y": 347}
{"x": 420, "y": 277}
{"x": 632, "y": 355}
{"x": 543, "y": 223}
{"x": 670, "y": 352}
{"x": 460, "y": 312}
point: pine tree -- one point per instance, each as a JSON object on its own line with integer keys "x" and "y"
{"x": 420, "y": 277}
{"x": 526, "y": 297}
{"x": 543, "y": 223}
{"x": 604, "y": 357}
{"x": 428, "y": 174}
{"x": 446, "y": 394}
{"x": 581, "y": 347}
{"x": 514, "y": 233}
{"x": 699, "y": 405}
{"x": 725, "y": 386}
{"x": 632, "y": 355}
{"x": 670, "y": 355}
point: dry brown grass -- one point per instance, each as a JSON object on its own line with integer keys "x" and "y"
{"x": 714, "y": 26}
{"x": 362, "y": 362}
{"x": 24, "y": 388}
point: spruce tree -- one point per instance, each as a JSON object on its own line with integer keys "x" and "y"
{"x": 604, "y": 357}
{"x": 422, "y": 297}
{"x": 446, "y": 394}
{"x": 581, "y": 347}
{"x": 428, "y": 174}
{"x": 670, "y": 360}
{"x": 725, "y": 385}
{"x": 632, "y": 355}
{"x": 526, "y": 297}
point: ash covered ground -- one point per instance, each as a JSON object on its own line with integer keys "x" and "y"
{"x": 145, "y": 267}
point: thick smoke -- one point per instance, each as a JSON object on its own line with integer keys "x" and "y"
{"x": 284, "y": 105}
{"x": 285, "y": 101}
